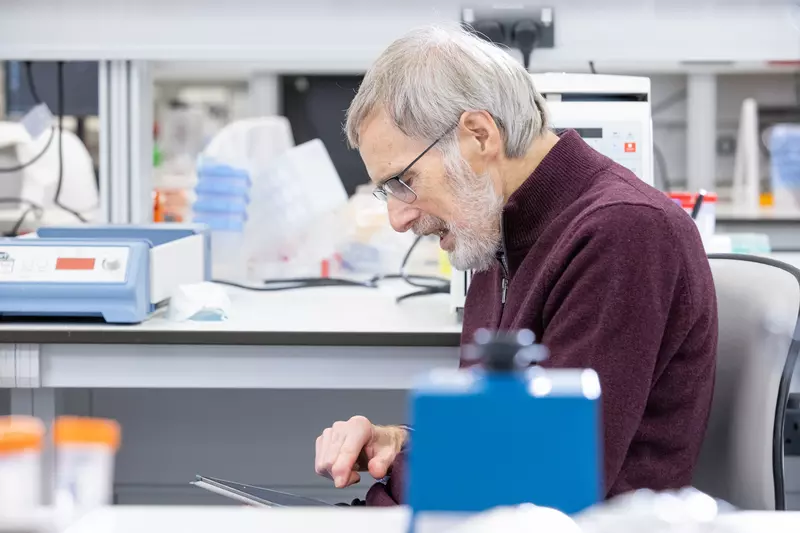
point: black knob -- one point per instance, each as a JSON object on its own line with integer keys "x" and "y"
{"x": 507, "y": 351}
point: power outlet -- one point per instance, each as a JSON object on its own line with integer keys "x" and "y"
{"x": 791, "y": 428}
{"x": 498, "y": 23}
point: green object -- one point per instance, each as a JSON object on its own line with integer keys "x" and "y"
{"x": 750, "y": 243}
{"x": 158, "y": 156}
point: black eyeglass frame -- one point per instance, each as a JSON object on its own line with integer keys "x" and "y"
{"x": 381, "y": 191}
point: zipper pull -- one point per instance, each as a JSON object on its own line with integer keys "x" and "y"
{"x": 504, "y": 288}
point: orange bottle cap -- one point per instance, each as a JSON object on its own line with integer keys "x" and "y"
{"x": 20, "y": 433}
{"x": 78, "y": 430}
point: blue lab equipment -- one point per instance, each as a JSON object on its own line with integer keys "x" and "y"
{"x": 118, "y": 273}
{"x": 505, "y": 433}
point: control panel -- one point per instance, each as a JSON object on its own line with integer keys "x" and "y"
{"x": 63, "y": 264}
{"x": 620, "y": 141}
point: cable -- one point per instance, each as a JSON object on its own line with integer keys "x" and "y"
{"x": 60, "y": 85}
{"x": 34, "y": 159}
{"x": 32, "y": 208}
{"x": 275, "y": 285}
{"x": 37, "y": 101}
{"x": 288, "y": 284}
{"x": 661, "y": 163}
{"x": 669, "y": 101}
{"x": 525, "y": 36}
{"x": 31, "y": 86}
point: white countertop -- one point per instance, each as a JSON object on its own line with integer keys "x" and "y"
{"x": 326, "y": 310}
{"x": 329, "y": 309}
{"x": 728, "y": 212}
{"x": 123, "y": 519}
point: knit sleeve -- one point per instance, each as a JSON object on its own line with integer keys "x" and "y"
{"x": 608, "y": 310}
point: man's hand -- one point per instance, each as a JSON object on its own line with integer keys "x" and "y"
{"x": 347, "y": 448}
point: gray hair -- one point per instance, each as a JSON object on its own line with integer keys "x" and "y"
{"x": 426, "y": 79}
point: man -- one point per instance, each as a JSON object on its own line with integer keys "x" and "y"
{"x": 607, "y": 272}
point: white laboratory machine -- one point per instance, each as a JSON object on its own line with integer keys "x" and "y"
{"x": 28, "y": 192}
{"x": 611, "y": 113}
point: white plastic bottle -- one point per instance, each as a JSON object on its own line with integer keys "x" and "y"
{"x": 85, "y": 453}
{"x": 21, "y": 440}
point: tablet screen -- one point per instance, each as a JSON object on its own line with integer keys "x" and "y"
{"x": 254, "y": 495}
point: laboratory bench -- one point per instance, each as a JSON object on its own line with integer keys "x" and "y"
{"x": 241, "y": 399}
{"x": 352, "y": 338}
{"x": 782, "y": 227}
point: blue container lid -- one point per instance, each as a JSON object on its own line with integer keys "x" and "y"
{"x": 230, "y": 187}
{"x": 212, "y": 169}
{"x": 221, "y": 204}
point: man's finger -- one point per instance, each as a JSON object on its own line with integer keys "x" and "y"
{"x": 322, "y": 466}
{"x": 379, "y": 465}
{"x": 346, "y": 460}
{"x": 331, "y": 451}
{"x": 320, "y": 447}
{"x": 355, "y": 477}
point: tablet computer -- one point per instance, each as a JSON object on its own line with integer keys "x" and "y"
{"x": 255, "y": 495}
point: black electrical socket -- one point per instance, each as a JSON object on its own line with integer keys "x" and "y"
{"x": 500, "y": 23}
{"x": 791, "y": 427}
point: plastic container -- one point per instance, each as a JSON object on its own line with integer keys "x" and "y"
{"x": 222, "y": 196}
{"x": 707, "y": 217}
{"x": 85, "y": 452}
{"x": 21, "y": 440}
{"x": 784, "y": 150}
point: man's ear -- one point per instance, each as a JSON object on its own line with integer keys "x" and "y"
{"x": 480, "y": 134}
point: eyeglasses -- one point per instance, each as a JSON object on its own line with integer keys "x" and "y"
{"x": 399, "y": 188}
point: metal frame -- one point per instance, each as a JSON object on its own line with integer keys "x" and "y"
{"x": 701, "y": 131}
{"x": 126, "y": 143}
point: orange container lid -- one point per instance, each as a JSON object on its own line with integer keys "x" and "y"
{"x": 78, "y": 430}
{"x": 20, "y": 433}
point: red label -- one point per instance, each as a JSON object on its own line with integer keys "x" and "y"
{"x": 630, "y": 147}
{"x": 75, "y": 263}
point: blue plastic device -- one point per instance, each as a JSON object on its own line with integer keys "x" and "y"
{"x": 505, "y": 434}
{"x": 31, "y": 283}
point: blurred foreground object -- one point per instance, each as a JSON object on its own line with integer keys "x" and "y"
{"x": 524, "y": 518}
{"x": 20, "y": 465}
{"x": 654, "y": 512}
{"x": 85, "y": 452}
{"x": 503, "y": 434}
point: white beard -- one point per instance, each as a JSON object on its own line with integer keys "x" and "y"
{"x": 476, "y": 230}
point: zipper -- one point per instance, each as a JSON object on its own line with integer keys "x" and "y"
{"x": 502, "y": 258}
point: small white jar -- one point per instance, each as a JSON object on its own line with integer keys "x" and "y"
{"x": 21, "y": 440}
{"x": 85, "y": 453}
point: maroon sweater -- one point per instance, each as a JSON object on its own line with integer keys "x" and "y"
{"x": 610, "y": 275}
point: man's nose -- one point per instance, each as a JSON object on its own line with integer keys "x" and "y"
{"x": 401, "y": 215}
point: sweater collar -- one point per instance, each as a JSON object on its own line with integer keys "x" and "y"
{"x": 557, "y": 181}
